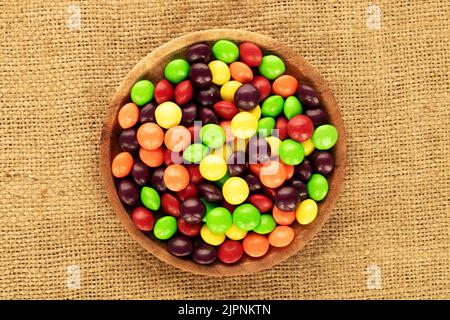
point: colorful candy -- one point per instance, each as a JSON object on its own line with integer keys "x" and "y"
{"x": 142, "y": 92}
{"x": 176, "y": 177}
{"x": 224, "y": 156}
{"x": 325, "y": 137}
{"x": 165, "y": 227}
{"x": 128, "y": 115}
{"x": 122, "y": 164}
{"x": 307, "y": 211}
{"x": 244, "y": 125}
{"x": 235, "y": 190}
{"x": 176, "y": 70}
{"x": 143, "y": 219}
{"x": 168, "y": 115}
{"x": 271, "y": 67}
{"x": 150, "y": 198}
{"x": 213, "y": 167}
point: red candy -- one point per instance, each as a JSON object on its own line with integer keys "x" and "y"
{"x": 171, "y": 157}
{"x": 250, "y": 54}
{"x": 195, "y": 133}
{"x": 143, "y": 219}
{"x": 163, "y": 91}
{"x": 230, "y": 251}
{"x": 194, "y": 173}
{"x": 300, "y": 128}
{"x": 281, "y": 126}
{"x": 188, "y": 229}
{"x": 184, "y": 92}
{"x": 263, "y": 86}
{"x": 261, "y": 202}
{"x": 170, "y": 204}
{"x": 225, "y": 109}
{"x": 189, "y": 192}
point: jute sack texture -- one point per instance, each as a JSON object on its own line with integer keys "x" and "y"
{"x": 389, "y": 233}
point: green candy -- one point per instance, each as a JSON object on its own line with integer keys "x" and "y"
{"x": 142, "y": 92}
{"x": 165, "y": 227}
{"x": 272, "y": 106}
{"x": 246, "y": 217}
{"x": 195, "y": 152}
{"x": 265, "y": 126}
{"x": 218, "y": 220}
{"x": 225, "y": 51}
{"x": 212, "y": 135}
{"x": 177, "y": 70}
{"x": 317, "y": 187}
{"x": 292, "y": 107}
{"x": 222, "y": 180}
{"x": 291, "y": 152}
{"x": 324, "y": 137}
{"x": 266, "y": 224}
{"x": 271, "y": 67}
{"x": 208, "y": 207}
{"x": 150, "y": 198}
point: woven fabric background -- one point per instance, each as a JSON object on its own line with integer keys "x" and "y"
{"x": 391, "y": 82}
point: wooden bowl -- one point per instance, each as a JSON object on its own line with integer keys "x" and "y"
{"x": 152, "y": 67}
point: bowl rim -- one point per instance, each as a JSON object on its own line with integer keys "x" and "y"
{"x": 291, "y": 58}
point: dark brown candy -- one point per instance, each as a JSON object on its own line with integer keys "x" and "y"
{"x": 286, "y": 198}
{"x": 147, "y": 113}
{"x": 318, "y": 116}
{"x": 180, "y": 246}
{"x": 207, "y": 97}
{"x": 303, "y": 171}
{"x": 128, "y": 141}
{"x": 322, "y": 162}
{"x": 200, "y": 75}
{"x": 128, "y": 192}
{"x": 199, "y": 52}
{"x": 206, "y": 115}
{"x": 157, "y": 180}
{"x": 210, "y": 192}
{"x": 192, "y": 210}
{"x": 308, "y": 97}
{"x": 246, "y": 97}
{"x": 141, "y": 173}
{"x": 189, "y": 114}
{"x": 204, "y": 254}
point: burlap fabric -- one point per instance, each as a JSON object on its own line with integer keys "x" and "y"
{"x": 390, "y": 80}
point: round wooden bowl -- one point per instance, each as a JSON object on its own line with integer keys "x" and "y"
{"x": 152, "y": 67}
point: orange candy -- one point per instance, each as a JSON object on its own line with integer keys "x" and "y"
{"x": 255, "y": 245}
{"x": 226, "y": 125}
{"x": 285, "y": 86}
{"x": 152, "y": 158}
{"x": 176, "y": 177}
{"x": 128, "y": 115}
{"x": 281, "y": 236}
{"x": 241, "y": 72}
{"x": 289, "y": 170}
{"x": 283, "y": 218}
{"x": 177, "y": 138}
{"x": 272, "y": 174}
{"x": 150, "y": 136}
{"x": 122, "y": 164}
{"x": 255, "y": 168}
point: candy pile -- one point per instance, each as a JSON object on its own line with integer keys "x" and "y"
{"x": 224, "y": 154}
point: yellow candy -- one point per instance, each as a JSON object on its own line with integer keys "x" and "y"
{"x": 228, "y": 89}
{"x": 308, "y": 146}
{"x": 244, "y": 125}
{"x": 211, "y": 238}
{"x": 256, "y": 111}
{"x": 213, "y": 167}
{"x": 235, "y": 233}
{"x": 168, "y": 114}
{"x": 220, "y": 72}
{"x": 274, "y": 144}
{"x": 306, "y": 211}
{"x": 235, "y": 190}
{"x": 224, "y": 151}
